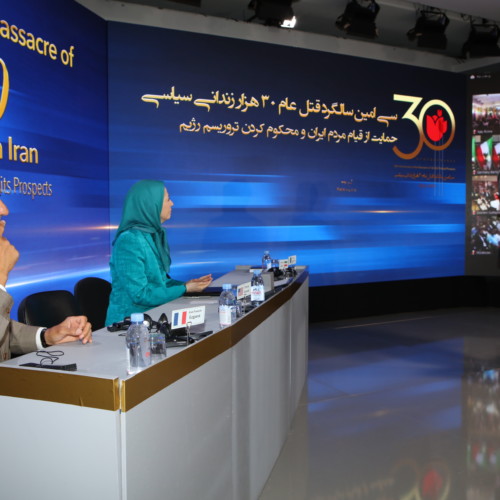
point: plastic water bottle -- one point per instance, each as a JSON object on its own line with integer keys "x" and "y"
{"x": 266, "y": 261}
{"x": 227, "y": 307}
{"x": 257, "y": 295}
{"x": 138, "y": 344}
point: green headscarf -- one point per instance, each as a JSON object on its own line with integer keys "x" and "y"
{"x": 141, "y": 211}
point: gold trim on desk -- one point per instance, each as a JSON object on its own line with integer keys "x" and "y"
{"x": 91, "y": 392}
{"x": 145, "y": 384}
{"x": 115, "y": 394}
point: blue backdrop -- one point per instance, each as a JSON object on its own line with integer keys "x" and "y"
{"x": 265, "y": 147}
{"x": 262, "y": 147}
{"x": 54, "y": 80}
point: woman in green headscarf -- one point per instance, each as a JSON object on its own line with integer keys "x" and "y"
{"x": 140, "y": 261}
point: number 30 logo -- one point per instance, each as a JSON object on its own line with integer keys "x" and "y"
{"x": 5, "y": 88}
{"x": 436, "y": 125}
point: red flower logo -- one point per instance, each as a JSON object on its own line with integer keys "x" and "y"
{"x": 436, "y": 126}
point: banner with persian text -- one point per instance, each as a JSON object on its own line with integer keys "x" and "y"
{"x": 355, "y": 166}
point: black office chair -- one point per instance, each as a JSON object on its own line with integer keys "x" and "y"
{"x": 92, "y": 297}
{"x": 47, "y": 308}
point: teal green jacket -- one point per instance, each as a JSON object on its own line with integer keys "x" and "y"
{"x": 139, "y": 279}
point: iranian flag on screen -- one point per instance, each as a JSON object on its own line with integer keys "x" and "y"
{"x": 484, "y": 152}
{"x": 495, "y": 156}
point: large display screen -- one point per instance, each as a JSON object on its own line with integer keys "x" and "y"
{"x": 53, "y": 143}
{"x": 483, "y": 201}
{"x": 355, "y": 166}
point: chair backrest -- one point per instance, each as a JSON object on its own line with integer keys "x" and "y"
{"x": 47, "y": 308}
{"x": 92, "y": 297}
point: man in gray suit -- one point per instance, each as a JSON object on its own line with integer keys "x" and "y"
{"x": 18, "y": 338}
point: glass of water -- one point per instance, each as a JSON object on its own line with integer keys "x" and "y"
{"x": 158, "y": 347}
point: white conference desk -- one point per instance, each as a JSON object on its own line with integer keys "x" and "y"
{"x": 206, "y": 423}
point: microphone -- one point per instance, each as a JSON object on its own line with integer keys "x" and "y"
{"x": 123, "y": 325}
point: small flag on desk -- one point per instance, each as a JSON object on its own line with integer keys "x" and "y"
{"x": 179, "y": 319}
{"x": 192, "y": 315}
{"x": 243, "y": 290}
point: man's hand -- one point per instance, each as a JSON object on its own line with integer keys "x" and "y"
{"x": 8, "y": 256}
{"x": 71, "y": 329}
{"x": 198, "y": 284}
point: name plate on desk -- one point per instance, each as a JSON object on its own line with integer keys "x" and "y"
{"x": 191, "y": 315}
{"x": 283, "y": 264}
{"x": 243, "y": 290}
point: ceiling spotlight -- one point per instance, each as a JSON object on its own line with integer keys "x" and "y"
{"x": 289, "y": 23}
{"x": 429, "y": 29}
{"x": 273, "y": 12}
{"x": 359, "y": 18}
{"x": 482, "y": 41}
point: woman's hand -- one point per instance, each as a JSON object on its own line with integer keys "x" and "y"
{"x": 198, "y": 284}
